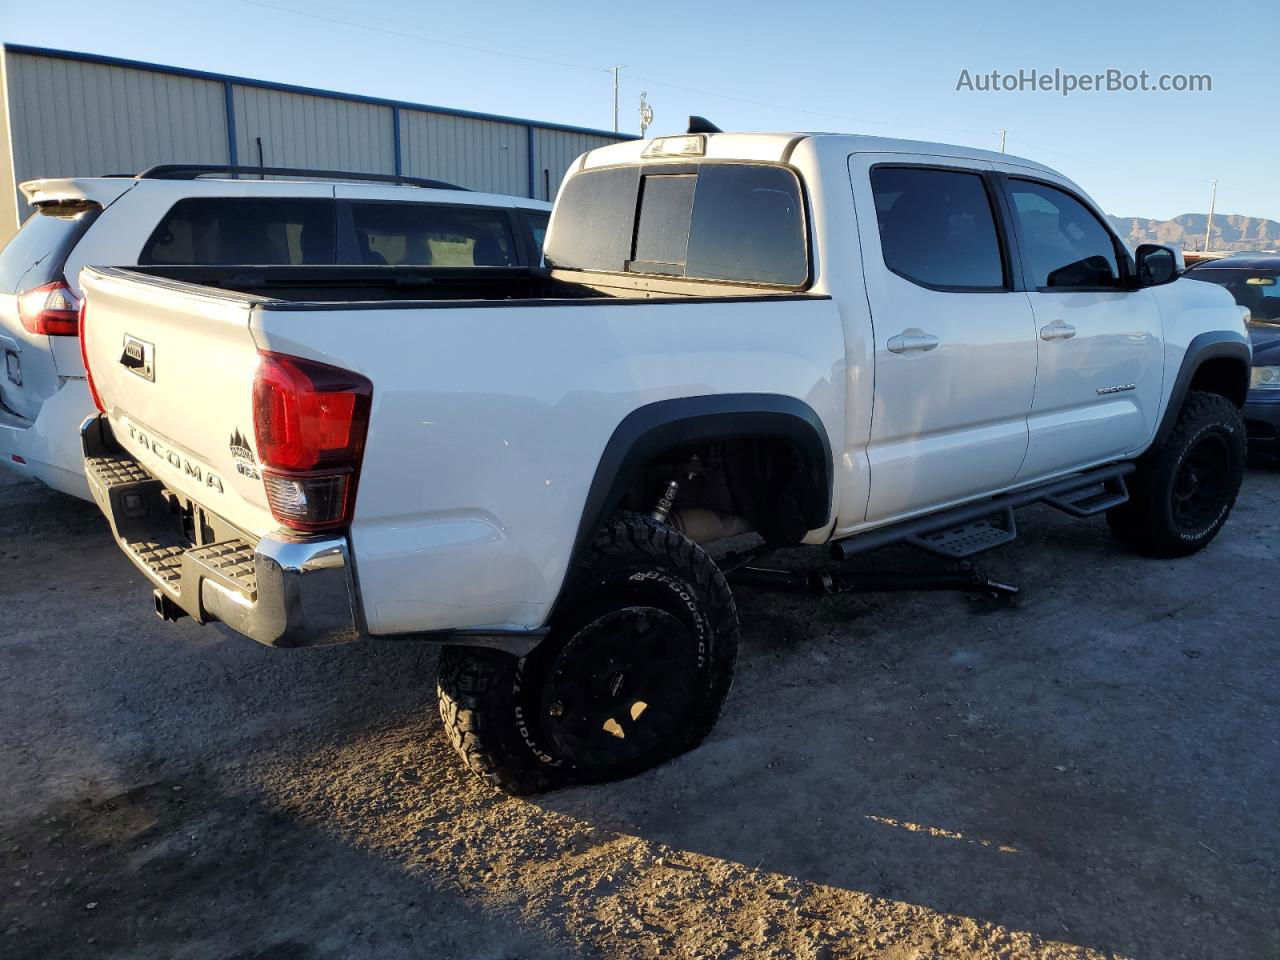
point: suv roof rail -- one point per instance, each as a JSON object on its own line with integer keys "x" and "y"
{"x": 192, "y": 171}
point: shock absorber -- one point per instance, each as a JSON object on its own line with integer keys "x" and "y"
{"x": 662, "y": 509}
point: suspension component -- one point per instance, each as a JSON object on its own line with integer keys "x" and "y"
{"x": 662, "y": 509}
{"x": 666, "y": 503}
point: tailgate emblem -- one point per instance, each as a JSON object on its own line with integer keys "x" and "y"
{"x": 139, "y": 357}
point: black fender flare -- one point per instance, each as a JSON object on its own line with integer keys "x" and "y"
{"x": 683, "y": 421}
{"x": 1207, "y": 346}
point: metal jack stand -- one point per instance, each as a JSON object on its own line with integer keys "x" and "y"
{"x": 738, "y": 569}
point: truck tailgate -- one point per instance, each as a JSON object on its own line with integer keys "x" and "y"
{"x": 173, "y": 365}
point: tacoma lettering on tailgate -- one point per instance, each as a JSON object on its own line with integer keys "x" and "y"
{"x": 179, "y": 461}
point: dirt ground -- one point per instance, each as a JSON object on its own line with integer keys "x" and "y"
{"x": 1094, "y": 772}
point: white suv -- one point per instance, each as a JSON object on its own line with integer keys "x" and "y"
{"x": 197, "y": 215}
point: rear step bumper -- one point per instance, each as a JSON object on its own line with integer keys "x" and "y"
{"x": 279, "y": 592}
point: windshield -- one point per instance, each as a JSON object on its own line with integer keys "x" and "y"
{"x": 1259, "y": 290}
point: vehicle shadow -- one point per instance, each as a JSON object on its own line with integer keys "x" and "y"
{"x": 182, "y": 867}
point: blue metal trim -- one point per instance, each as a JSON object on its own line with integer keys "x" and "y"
{"x": 310, "y": 91}
{"x": 533, "y": 186}
{"x": 395, "y": 136}
{"x": 231, "y": 122}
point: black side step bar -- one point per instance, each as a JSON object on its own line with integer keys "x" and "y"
{"x": 1057, "y": 493}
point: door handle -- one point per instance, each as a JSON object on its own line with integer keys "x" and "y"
{"x": 1058, "y": 330}
{"x": 913, "y": 340}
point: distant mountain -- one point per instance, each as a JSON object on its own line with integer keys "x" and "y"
{"x": 1230, "y": 232}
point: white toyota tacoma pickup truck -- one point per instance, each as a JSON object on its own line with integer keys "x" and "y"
{"x": 818, "y": 338}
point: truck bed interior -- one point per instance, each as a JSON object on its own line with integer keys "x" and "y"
{"x": 408, "y": 286}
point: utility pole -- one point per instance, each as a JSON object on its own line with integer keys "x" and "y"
{"x": 1208, "y": 227}
{"x": 646, "y": 113}
{"x": 614, "y": 71}
{"x": 1002, "y": 136}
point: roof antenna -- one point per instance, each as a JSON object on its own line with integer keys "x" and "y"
{"x": 702, "y": 125}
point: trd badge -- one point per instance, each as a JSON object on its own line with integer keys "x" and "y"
{"x": 139, "y": 357}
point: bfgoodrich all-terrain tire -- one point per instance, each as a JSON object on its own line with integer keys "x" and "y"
{"x": 634, "y": 670}
{"x": 1183, "y": 490}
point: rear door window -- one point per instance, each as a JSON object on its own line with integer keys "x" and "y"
{"x": 37, "y": 252}
{"x": 425, "y": 234}
{"x": 244, "y": 230}
{"x": 937, "y": 228}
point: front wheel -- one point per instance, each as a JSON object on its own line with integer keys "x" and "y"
{"x": 633, "y": 672}
{"x": 1184, "y": 489}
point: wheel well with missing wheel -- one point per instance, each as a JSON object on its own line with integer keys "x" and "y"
{"x": 761, "y": 457}
{"x": 765, "y": 482}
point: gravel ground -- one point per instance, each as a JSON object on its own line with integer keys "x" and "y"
{"x": 1093, "y": 772}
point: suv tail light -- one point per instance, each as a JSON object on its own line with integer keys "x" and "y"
{"x": 84, "y": 357}
{"x": 51, "y": 309}
{"x": 310, "y": 422}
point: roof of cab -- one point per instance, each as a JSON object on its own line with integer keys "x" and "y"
{"x": 774, "y": 147}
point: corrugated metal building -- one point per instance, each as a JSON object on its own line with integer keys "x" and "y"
{"x": 75, "y": 114}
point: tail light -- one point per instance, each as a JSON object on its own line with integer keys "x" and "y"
{"x": 51, "y": 309}
{"x": 84, "y": 357}
{"x": 310, "y": 422}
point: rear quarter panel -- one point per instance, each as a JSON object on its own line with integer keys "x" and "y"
{"x": 488, "y": 424}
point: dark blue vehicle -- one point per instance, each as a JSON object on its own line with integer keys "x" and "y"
{"x": 1254, "y": 280}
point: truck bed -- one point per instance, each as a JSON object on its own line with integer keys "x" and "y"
{"x": 417, "y": 286}
{"x": 346, "y": 284}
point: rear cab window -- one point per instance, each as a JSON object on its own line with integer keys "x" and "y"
{"x": 38, "y": 251}
{"x": 724, "y": 221}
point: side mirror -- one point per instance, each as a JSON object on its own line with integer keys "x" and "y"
{"x": 1158, "y": 264}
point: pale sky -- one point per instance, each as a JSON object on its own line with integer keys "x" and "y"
{"x": 880, "y": 68}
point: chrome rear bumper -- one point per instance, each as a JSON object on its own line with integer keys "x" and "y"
{"x": 284, "y": 593}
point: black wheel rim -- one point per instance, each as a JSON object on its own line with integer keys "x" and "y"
{"x": 1200, "y": 486}
{"x": 621, "y": 689}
